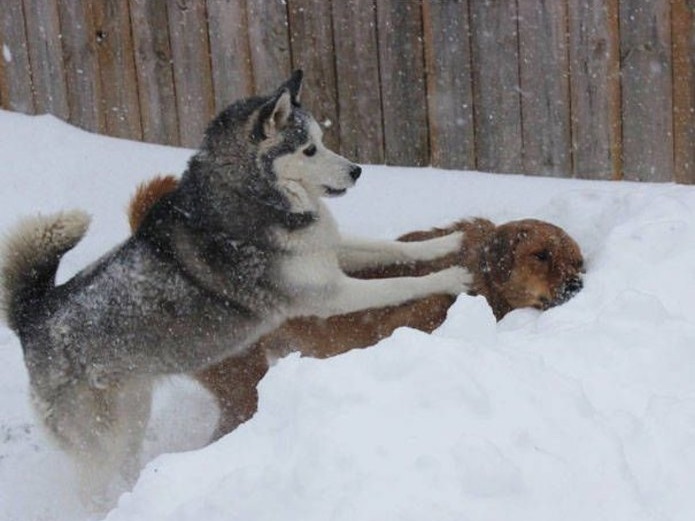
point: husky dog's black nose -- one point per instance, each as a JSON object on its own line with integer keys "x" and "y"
{"x": 355, "y": 172}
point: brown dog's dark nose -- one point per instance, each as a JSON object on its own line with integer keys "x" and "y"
{"x": 355, "y": 172}
{"x": 574, "y": 285}
{"x": 570, "y": 289}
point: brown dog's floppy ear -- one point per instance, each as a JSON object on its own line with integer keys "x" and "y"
{"x": 500, "y": 253}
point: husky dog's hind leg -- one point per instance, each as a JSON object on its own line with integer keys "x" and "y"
{"x": 103, "y": 429}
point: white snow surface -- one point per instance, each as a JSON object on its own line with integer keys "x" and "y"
{"x": 583, "y": 412}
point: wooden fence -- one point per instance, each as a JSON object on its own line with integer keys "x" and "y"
{"x": 601, "y": 89}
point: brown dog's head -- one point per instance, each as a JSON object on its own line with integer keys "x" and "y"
{"x": 529, "y": 263}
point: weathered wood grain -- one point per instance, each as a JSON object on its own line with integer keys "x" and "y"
{"x": 357, "y": 72}
{"x": 683, "y": 24}
{"x": 81, "y": 64}
{"x": 496, "y": 89}
{"x": 311, "y": 30}
{"x": 155, "y": 75}
{"x": 46, "y": 57}
{"x": 647, "y": 96}
{"x": 403, "y": 91}
{"x": 188, "y": 33}
{"x": 545, "y": 94}
{"x": 594, "y": 51}
{"x": 15, "y": 68}
{"x": 232, "y": 75}
{"x": 449, "y": 83}
{"x": 269, "y": 42}
{"x": 119, "y": 94}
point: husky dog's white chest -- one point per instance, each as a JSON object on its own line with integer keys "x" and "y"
{"x": 311, "y": 262}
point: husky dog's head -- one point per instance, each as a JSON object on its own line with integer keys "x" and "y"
{"x": 271, "y": 148}
{"x": 293, "y": 145}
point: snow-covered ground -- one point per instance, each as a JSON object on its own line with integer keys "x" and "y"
{"x": 583, "y": 412}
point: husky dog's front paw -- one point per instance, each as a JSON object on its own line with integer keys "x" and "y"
{"x": 455, "y": 280}
{"x": 442, "y": 246}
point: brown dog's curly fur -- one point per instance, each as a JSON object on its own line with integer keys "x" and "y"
{"x": 527, "y": 263}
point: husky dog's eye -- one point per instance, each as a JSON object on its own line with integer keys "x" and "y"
{"x": 310, "y": 150}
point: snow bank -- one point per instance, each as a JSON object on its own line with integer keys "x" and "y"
{"x": 586, "y": 411}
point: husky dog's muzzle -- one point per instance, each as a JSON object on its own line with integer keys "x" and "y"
{"x": 354, "y": 172}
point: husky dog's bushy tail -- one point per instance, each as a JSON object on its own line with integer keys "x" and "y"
{"x": 30, "y": 256}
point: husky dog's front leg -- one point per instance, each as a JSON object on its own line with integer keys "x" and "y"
{"x": 357, "y": 253}
{"x": 351, "y": 294}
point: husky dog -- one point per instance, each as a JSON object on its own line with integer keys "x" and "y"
{"x": 243, "y": 243}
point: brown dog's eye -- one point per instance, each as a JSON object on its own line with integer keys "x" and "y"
{"x": 543, "y": 255}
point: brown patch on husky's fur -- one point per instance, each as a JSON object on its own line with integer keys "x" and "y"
{"x": 527, "y": 263}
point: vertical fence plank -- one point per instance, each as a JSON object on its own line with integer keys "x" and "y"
{"x": 683, "y": 23}
{"x": 403, "y": 92}
{"x": 647, "y": 101}
{"x": 15, "y": 69}
{"x": 357, "y": 71}
{"x": 494, "y": 38}
{"x": 544, "y": 72}
{"x": 192, "y": 75}
{"x": 45, "y": 54}
{"x": 449, "y": 83}
{"x": 269, "y": 42}
{"x": 229, "y": 49}
{"x": 81, "y": 64}
{"x": 119, "y": 96}
{"x": 150, "y": 27}
{"x": 595, "y": 88}
{"x": 311, "y": 29}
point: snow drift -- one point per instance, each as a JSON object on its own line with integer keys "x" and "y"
{"x": 585, "y": 411}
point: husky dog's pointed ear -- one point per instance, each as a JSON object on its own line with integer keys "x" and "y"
{"x": 275, "y": 113}
{"x": 294, "y": 85}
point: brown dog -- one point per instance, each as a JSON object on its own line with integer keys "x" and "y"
{"x": 525, "y": 263}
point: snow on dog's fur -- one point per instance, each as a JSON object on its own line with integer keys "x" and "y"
{"x": 243, "y": 243}
{"x": 526, "y": 263}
